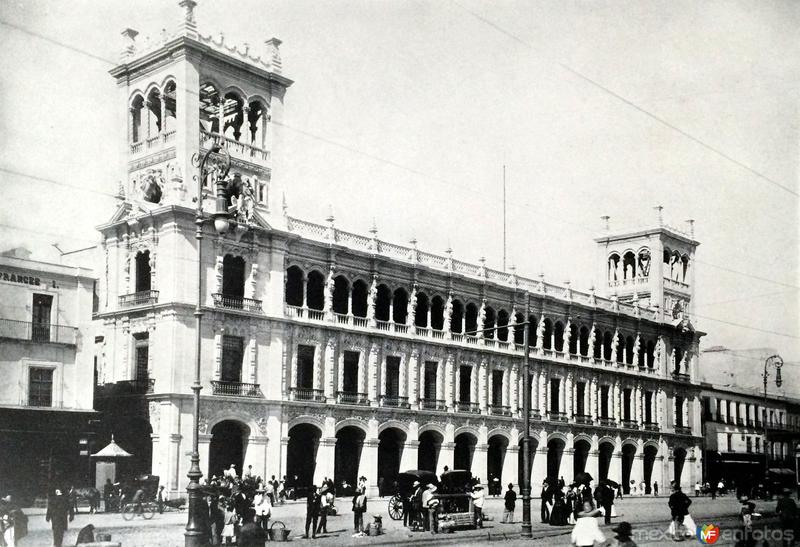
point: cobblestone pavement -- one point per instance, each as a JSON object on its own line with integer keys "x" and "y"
{"x": 649, "y": 516}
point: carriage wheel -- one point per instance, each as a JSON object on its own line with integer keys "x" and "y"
{"x": 127, "y": 512}
{"x": 148, "y": 510}
{"x": 396, "y": 507}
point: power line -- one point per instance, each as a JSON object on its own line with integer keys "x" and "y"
{"x": 56, "y": 182}
{"x": 746, "y": 326}
{"x": 751, "y": 297}
{"x": 633, "y": 105}
{"x": 759, "y": 278}
{"x": 58, "y": 43}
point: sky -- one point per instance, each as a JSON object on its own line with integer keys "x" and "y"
{"x": 404, "y": 112}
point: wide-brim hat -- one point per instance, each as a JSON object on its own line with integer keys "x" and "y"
{"x": 623, "y": 528}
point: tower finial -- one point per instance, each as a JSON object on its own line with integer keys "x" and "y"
{"x": 659, "y": 214}
{"x": 188, "y": 24}
{"x": 129, "y": 45}
{"x": 606, "y": 222}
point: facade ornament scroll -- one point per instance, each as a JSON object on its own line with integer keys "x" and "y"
{"x": 252, "y": 281}
{"x": 262, "y": 425}
{"x": 540, "y": 332}
{"x": 567, "y": 334}
{"x": 615, "y": 345}
{"x": 448, "y": 313}
{"x": 372, "y": 298}
{"x": 637, "y": 347}
{"x": 592, "y": 337}
{"x": 218, "y": 269}
{"x": 330, "y": 284}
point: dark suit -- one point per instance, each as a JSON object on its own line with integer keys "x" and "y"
{"x": 312, "y": 512}
{"x": 59, "y": 513}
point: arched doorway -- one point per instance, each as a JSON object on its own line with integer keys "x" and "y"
{"x": 498, "y": 444}
{"x": 679, "y": 458}
{"x": 628, "y": 454}
{"x": 605, "y": 452}
{"x": 347, "y": 455}
{"x": 228, "y": 446}
{"x": 650, "y": 453}
{"x": 430, "y": 443}
{"x": 555, "y": 451}
{"x": 301, "y": 454}
{"x": 581, "y": 456}
{"x": 464, "y": 452}
{"x": 390, "y": 452}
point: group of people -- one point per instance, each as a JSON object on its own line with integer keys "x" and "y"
{"x": 13, "y": 522}
{"x": 319, "y": 504}
{"x": 560, "y": 505}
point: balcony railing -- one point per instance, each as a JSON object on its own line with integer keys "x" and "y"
{"x": 140, "y": 386}
{"x": 683, "y": 430}
{"x": 433, "y": 404}
{"x": 584, "y": 419}
{"x": 307, "y": 394}
{"x": 140, "y": 298}
{"x": 236, "y": 389}
{"x": 473, "y": 408}
{"x": 630, "y": 424}
{"x": 608, "y": 422}
{"x": 651, "y": 426}
{"x": 229, "y": 302}
{"x": 739, "y": 422}
{"x": 38, "y": 332}
{"x": 681, "y": 377}
{"x": 394, "y": 401}
{"x": 500, "y": 410}
{"x": 236, "y": 149}
{"x": 352, "y": 398}
{"x": 557, "y": 416}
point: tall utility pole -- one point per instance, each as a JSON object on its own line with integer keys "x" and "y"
{"x": 504, "y": 217}
{"x": 526, "y": 531}
{"x": 777, "y": 362}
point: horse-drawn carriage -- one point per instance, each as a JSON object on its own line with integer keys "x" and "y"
{"x": 399, "y": 502}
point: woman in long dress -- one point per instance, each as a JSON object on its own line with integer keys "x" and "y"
{"x": 560, "y": 514}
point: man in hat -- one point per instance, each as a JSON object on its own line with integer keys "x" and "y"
{"x": 322, "y": 527}
{"x": 679, "y": 507}
{"x": 430, "y": 504}
{"x": 419, "y": 511}
{"x": 624, "y": 531}
{"x": 59, "y": 509}
{"x": 510, "y": 504}
{"x": 312, "y": 511}
{"x": 478, "y": 497}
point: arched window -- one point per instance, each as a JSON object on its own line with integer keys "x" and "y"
{"x": 620, "y": 349}
{"x": 678, "y": 358}
{"x": 598, "y": 345}
{"x": 315, "y": 291}
{"x": 341, "y": 294}
{"x": 400, "y": 306}
{"x": 643, "y": 263}
{"x": 558, "y": 341}
{"x": 629, "y": 265}
{"x": 153, "y": 113}
{"x": 143, "y": 273}
{"x": 233, "y": 116}
{"x": 533, "y": 326}
{"x": 137, "y": 108}
{"x": 614, "y": 273}
{"x": 457, "y": 319}
{"x": 256, "y": 125}
{"x": 502, "y": 323}
{"x": 471, "y": 319}
{"x": 294, "y": 286}
{"x": 519, "y": 330}
{"x": 489, "y": 323}
{"x": 382, "y": 303}
{"x": 583, "y": 346}
{"x": 437, "y": 313}
{"x": 608, "y": 342}
{"x": 651, "y": 353}
{"x": 547, "y": 343}
{"x": 573, "y": 338}
{"x": 629, "y": 343}
{"x": 421, "y": 313}
{"x": 684, "y": 268}
{"x": 170, "y": 107}
{"x": 209, "y": 108}
{"x": 360, "y": 292}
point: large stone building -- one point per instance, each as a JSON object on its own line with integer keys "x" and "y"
{"x": 328, "y": 353}
{"x": 740, "y": 426}
{"x": 46, "y": 350}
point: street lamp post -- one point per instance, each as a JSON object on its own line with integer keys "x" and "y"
{"x": 195, "y": 535}
{"x": 777, "y": 362}
{"x": 526, "y": 418}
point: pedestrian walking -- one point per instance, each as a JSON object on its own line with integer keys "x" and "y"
{"x": 59, "y": 515}
{"x": 655, "y": 489}
{"x": 697, "y": 489}
{"x": 229, "y": 528}
{"x": 160, "y": 500}
{"x": 312, "y": 511}
{"x": 322, "y": 527}
{"x": 13, "y": 522}
{"x": 510, "y": 504}
{"x": 263, "y": 509}
{"x": 478, "y": 497}
{"x": 604, "y": 495}
{"x": 430, "y": 505}
{"x": 545, "y": 499}
{"x": 359, "y": 508}
{"x": 586, "y": 532}
{"x": 679, "y": 507}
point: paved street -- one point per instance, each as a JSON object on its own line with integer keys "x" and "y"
{"x": 646, "y": 514}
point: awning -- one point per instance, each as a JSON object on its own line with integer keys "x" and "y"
{"x": 112, "y": 451}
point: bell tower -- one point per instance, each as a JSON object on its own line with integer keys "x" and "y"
{"x": 184, "y": 91}
{"x": 651, "y": 266}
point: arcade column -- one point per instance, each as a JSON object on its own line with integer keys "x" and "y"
{"x": 409, "y": 459}
{"x": 480, "y": 464}
{"x": 326, "y": 459}
{"x": 539, "y": 472}
{"x": 368, "y": 465}
{"x": 446, "y": 456}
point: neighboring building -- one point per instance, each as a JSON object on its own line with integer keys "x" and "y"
{"x": 46, "y": 349}
{"x": 328, "y": 353}
{"x": 734, "y": 415}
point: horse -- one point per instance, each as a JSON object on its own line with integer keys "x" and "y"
{"x": 90, "y": 495}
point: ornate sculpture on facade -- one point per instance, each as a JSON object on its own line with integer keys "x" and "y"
{"x": 330, "y": 283}
{"x": 372, "y": 298}
{"x": 448, "y": 311}
{"x": 411, "y": 310}
{"x": 244, "y": 202}
{"x": 613, "y": 266}
{"x": 481, "y": 318}
{"x": 151, "y": 186}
